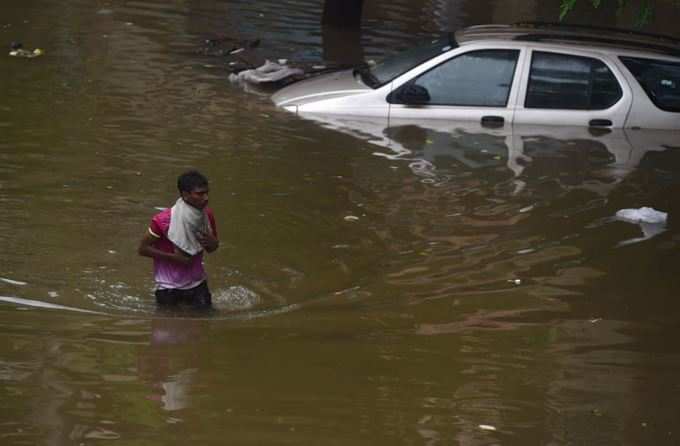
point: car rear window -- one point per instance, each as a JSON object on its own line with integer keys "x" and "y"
{"x": 659, "y": 78}
{"x": 562, "y": 81}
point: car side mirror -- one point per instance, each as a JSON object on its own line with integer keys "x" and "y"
{"x": 413, "y": 94}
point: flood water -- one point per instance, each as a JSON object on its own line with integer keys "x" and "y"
{"x": 416, "y": 284}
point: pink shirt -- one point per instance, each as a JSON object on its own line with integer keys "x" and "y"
{"x": 171, "y": 275}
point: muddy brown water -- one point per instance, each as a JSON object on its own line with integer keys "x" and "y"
{"x": 413, "y": 285}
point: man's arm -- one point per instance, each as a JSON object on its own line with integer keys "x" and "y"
{"x": 147, "y": 249}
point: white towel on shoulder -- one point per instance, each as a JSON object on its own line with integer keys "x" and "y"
{"x": 186, "y": 222}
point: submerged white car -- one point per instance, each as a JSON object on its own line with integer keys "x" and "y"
{"x": 496, "y": 75}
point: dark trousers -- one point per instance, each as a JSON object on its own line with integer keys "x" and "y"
{"x": 197, "y": 297}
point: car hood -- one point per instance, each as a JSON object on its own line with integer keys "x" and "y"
{"x": 325, "y": 86}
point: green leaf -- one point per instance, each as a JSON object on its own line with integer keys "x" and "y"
{"x": 565, "y": 7}
{"x": 645, "y": 15}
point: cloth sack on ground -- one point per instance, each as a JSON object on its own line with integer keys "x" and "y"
{"x": 185, "y": 222}
{"x": 270, "y": 72}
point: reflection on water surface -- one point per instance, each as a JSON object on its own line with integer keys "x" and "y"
{"x": 404, "y": 283}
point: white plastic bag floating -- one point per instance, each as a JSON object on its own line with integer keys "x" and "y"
{"x": 642, "y": 215}
{"x": 651, "y": 221}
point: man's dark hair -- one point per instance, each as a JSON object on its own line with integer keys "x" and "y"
{"x": 190, "y": 180}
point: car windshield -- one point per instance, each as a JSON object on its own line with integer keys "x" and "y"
{"x": 389, "y": 68}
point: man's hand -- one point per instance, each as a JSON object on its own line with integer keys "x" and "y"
{"x": 208, "y": 241}
{"x": 180, "y": 257}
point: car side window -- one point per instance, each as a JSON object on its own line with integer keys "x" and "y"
{"x": 477, "y": 78}
{"x": 660, "y": 80}
{"x": 561, "y": 81}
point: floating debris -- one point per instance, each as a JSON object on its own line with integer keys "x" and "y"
{"x": 17, "y": 50}
{"x": 642, "y": 215}
{"x": 102, "y": 434}
{"x": 40, "y": 304}
{"x": 215, "y": 46}
{"x": 12, "y": 282}
{"x": 351, "y": 218}
{"x": 651, "y": 222}
{"x": 487, "y": 427}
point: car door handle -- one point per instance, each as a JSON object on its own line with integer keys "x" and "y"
{"x": 493, "y": 121}
{"x": 600, "y": 123}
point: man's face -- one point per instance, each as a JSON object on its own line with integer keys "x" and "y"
{"x": 197, "y": 198}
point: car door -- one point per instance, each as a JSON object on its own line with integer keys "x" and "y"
{"x": 477, "y": 84}
{"x": 573, "y": 89}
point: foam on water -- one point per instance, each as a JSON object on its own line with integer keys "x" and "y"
{"x": 235, "y": 298}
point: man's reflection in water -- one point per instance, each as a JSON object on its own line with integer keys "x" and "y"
{"x": 170, "y": 361}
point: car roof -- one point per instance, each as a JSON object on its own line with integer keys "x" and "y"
{"x": 560, "y": 34}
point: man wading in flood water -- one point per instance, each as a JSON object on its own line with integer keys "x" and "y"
{"x": 176, "y": 239}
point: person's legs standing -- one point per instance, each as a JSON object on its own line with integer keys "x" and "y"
{"x": 201, "y": 297}
{"x": 166, "y": 298}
